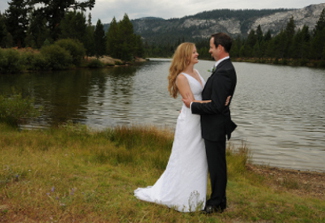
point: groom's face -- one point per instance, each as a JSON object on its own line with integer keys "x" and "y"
{"x": 214, "y": 50}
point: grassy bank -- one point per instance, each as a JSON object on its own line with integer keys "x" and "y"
{"x": 70, "y": 174}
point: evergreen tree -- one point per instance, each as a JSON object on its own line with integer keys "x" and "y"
{"x": 235, "y": 49}
{"x": 243, "y": 51}
{"x": 300, "y": 43}
{"x": 17, "y": 20}
{"x": 127, "y": 38}
{"x": 138, "y": 50}
{"x": 257, "y": 51}
{"x": 276, "y": 46}
{"x": 250, "y": 43}
{"x": 113, "y": 39}
{"x": 89, "y": 38}
{"x": 318, "y": 43}
{"x": 37, "y": 32}
{"x": 73, "y": 26}
{"x": 99, "y": 40}
{"x": 267, "y": 36}
{"x": 3, "y": 31}
{"x": 54, "y": 11}
{"x": 263, "y": 46}
{"x": 320, "y": 25}
{"x": 259, "y": 34}
{"x": 122, "y": 43}
{"x": 289, "y": 33}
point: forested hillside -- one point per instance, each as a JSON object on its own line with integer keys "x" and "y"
{"x": 160, "y": 31}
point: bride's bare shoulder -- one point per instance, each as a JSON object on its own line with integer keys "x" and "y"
{"x": 181, "y": 77}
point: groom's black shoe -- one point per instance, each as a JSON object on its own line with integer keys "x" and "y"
{"x": 214, "y": 209}
{"x": 208, "y": 210}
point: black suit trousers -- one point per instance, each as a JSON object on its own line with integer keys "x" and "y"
{"x": 217, "y": 165}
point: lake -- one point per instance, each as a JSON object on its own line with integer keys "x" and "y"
{"x": 279, "y": 110}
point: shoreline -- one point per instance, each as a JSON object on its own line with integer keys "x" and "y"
{"x": 310, "y": 183}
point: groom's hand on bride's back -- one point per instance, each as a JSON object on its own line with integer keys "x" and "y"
{"x": 227, "y": 100}
{"x": 187, "y": 100}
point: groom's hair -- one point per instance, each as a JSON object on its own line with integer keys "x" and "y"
{"x": 223, "y": 39}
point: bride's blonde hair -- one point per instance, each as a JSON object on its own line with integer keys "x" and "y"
{"x": 180, "y": 61}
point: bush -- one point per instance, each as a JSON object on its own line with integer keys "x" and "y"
{"x": 11, "y": 61}
{"x": 40, "y": 62}
{"x": 74, "y": 47}
{"x": 28, "y": 57}
{"x": 95, "y": 63}
{"x": 56, "y": 57}
{"x": 14, "y": 109}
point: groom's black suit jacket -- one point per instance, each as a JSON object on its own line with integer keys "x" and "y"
{"x": 216, "y": 121}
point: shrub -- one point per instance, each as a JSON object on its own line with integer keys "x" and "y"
{"x": 40, "y": 62}
{"x": 74, "y": 47}
{"x": 118, "y": 62}
{"x": 14, "y": 109}
{"x": 56, "y": 57}
{"x": 95, "y": 63}
{"x": 34, "y": 60}
{"x": 11, "y": 61}
{"x": 28, "y": 58}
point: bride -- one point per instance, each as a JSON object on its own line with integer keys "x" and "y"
{"x": 182, "y": 186}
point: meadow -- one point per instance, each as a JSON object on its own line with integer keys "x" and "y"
{"x": 73, "y": 174}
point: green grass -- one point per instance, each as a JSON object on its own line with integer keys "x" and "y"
{"x": 71, "y": 174}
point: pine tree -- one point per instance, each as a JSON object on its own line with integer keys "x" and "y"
{"x": 320, "y": 25}
{"x": 3, "y": 31}
{"x": 127, "y": 38}
{"x": 250, "y": 43}
{"x": 138, "y": 51}
{"x": 122, "y": 42}
{"x": 37, "y": 32}
{"x": 276, "y": 46}
{"x": 289, "y": 33}
{"x": 300, "y": 43}
{"x": 17, "y": 20}
{"x": 259, "y": 34}
{"x": 99, "y": 39}
{"x": 54, "y": 11}
{"x": 73, "y": 26}
{"x": 113, "y": 39}
{"x": 267, "y": 36}
{"x": 89, "y": 38}
{"x": 318, "y": 43}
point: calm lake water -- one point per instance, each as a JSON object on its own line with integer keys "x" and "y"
{"x": 279, "y": 110}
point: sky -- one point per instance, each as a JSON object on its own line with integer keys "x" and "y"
{"x": 106, "y": 10}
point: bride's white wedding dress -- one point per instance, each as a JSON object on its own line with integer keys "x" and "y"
{"x": 183, "y": 184}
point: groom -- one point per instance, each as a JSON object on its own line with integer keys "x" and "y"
{"x": 216, "y": 123}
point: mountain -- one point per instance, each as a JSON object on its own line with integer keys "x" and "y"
{"x": 234, "y": 22}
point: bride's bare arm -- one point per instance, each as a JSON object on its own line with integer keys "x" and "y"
{"x": 185, "y": 90}
{"x": 184, "y": 87}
